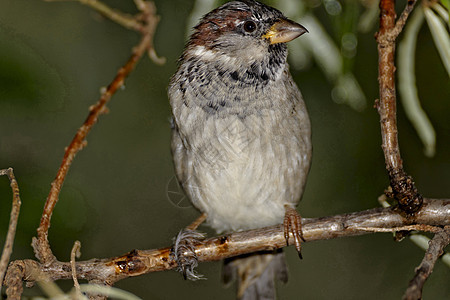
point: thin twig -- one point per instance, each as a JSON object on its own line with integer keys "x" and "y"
{"x": 119, "y": 17}
{"x": 418, "y": 227}
{"x": 14, "y": 216}
{"x": 401, "y": 21}
{"x": 17, "y": 272}
{"x": 422, "y": 241}
{"x": 403, "y": 187}
{"x": 73, "y": 255}
{"x": 40, "y": 244}
{"x": 434, "y": 251}
{"x": 137, "y": 262}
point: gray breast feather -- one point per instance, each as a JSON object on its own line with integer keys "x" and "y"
{"x": 242, "y": 168}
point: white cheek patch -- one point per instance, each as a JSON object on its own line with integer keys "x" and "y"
{"x": 203, "y": 52}
{"x": 211, "y": 55}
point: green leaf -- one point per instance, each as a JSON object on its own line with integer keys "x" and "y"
{"x": 407, "y": 84}
{"x": 446, "y": 4}
{"x": 440, "y": 35}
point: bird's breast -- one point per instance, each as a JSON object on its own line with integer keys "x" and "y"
{"x": 244, "y": 170}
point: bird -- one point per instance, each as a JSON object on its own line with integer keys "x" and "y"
{"x": 241, "y": 133}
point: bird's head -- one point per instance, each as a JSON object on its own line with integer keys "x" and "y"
{"x": 245, "y": 30}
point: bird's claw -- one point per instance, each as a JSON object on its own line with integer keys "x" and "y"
{"x": 293, "y": 224}
{"x": 183, "y": 252}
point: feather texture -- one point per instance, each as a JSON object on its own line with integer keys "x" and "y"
{"x": 241, "y": 139}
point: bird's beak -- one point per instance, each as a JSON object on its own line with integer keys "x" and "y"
{"x": 284, "y": 31}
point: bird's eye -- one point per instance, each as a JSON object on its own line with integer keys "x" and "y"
{"x": 249, "y": 26}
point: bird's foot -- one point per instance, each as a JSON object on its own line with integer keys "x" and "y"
{"x": 183, "y": 252}
{"x": 293, "y": 224}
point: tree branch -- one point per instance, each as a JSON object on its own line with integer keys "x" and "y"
{"x": 138, "y": 262}
{"x": 434, "y": 251}
{"x": 413, "y": 212}
{"x": 14, "y": 216}
{"x": 403, "y": 187}
{"x": 148, "y": 15}
{"x": 75, "y": 253}
{"x": 403, "y": 17}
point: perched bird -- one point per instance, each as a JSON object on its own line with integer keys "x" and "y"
{"x": 241, "y": 138}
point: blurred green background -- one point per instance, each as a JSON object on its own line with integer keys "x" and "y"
{"x": 120, "y": 193}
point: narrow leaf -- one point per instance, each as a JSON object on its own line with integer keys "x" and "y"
{"x": 440, "y": 36}
{"x": 407, "y": 84}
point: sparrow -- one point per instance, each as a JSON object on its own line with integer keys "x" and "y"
{"x": 241, "y": 136}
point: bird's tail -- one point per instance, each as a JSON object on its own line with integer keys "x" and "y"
{"x": 256, "y": 274}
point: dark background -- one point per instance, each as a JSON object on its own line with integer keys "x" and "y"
{"x": 55, "y": 57}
